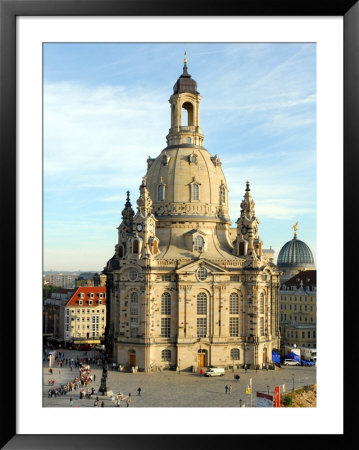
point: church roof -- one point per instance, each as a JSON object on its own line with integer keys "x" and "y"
{"x": 185, "y": 83}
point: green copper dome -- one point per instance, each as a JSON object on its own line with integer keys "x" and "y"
{"x": 295, "y": 253}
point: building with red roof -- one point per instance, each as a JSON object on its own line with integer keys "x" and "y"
{"x": 85, "y": 315}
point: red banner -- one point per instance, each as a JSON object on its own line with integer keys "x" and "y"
{"x": 276, "y": 397}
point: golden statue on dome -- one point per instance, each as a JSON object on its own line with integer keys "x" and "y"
{"x": 295, "y": 227}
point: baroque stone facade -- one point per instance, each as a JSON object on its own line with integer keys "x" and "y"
{"x": 183, "y": 291}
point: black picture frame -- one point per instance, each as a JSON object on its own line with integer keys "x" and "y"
{"x": 9, "y": 10}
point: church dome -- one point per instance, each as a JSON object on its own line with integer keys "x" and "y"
{"x": 295, "y": 253}
{"x": 185, "y": 181}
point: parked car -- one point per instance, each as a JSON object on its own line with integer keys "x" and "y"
{"x": 214, "y": 372}
{"x": 291, "y": 362}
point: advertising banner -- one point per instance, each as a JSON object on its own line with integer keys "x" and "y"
{"x": 264, "y": 400}
{"x": 276, "y": 397}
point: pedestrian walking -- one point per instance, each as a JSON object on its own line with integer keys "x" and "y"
{"x": 102, "y": 404}
{"x": 139, "y": 391}
{"x": 71, "y": 402}
{"x": 245, "y": 368}
{"x": 229, "y": 388}
{"x": 226, "y": 388}
{"x": 128, "y": 400}
{"x": 94, "y": 377}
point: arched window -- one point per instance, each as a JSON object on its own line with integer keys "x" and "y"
{"x": 187, "y": 106}
{"x": 235, "y": 354}
{"x": 241, "y": 249}
{"x": 134, "y": 303}
{"x": 160, "y": 193}
{"x": 120, "y": 251}
{"x": 166, "y": 303}
{"x": 155, "y": 247}
{"x": 195, "y": 191}
{"x": 198, "y": 244}
{"x": 202, "y": 303}
{"x": 234, "y": 303}
{"x": 261, "y": 303}
{"x": 222, "y": 194}
{"x": 166, "y": 355}
{"x": 135, "y": 246}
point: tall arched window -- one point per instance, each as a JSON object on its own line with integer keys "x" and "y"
{"x": 166, "y": 303}
{"x": 134, "y": 303}
{"x": 195, "y": 191}
{"x": 120, "y": 251}
{"x": 160, "y": 193}
{"x": 234, "y": 314}
{"x": 261, "y": 303}
{"x": 261, "y": 312}
{"x": 135, "y": 246}
{"x": 202, "y": 303}
{"x": 198, "y": 243}
{"x": 234, "y": 303}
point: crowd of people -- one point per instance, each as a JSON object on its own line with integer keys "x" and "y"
{"x": 81, "y": 382}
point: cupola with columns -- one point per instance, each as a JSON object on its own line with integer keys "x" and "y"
{"x": 184, "y": 102}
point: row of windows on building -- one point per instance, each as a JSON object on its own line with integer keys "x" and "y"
{"x": 202, "y": 302}
{"x": 83, "y": 311}
{"x": 304, "y": 335}
{"x": 202, "y": 308}
{"x": 194, "y": 193}
{"x": 294, "y": 307}
{"x": 304, "y": 298}
{"x": 283, "y": 318}
{"x": 166, "y": 355}
{"x": 92, "y": 295}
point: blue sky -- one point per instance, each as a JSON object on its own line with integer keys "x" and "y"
{"x": 106, "y": 110}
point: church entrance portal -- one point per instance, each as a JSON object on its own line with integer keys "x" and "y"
{"x": 202, "y": 360}
{"x": 132, "y": 358}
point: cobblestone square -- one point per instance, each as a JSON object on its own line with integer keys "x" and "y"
{"x": 173, "y": 389}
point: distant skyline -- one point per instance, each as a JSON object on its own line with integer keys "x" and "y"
{"x": 106, "y": 110}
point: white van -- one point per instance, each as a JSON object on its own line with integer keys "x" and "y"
{"x": 214, "y": 372}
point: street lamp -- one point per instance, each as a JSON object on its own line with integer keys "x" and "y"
{"x": 293, "y": 380}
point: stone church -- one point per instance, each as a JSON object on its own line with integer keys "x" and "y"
{"x": 184, "y": 290}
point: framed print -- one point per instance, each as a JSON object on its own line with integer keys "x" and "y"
{"x": 58, "y": 58}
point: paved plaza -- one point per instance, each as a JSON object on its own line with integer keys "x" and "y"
{"x": 171, "y": 389}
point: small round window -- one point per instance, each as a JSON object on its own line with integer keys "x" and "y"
{"x": 132, "y": 275}
{"x": 202, "y": 273}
